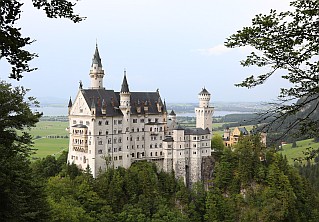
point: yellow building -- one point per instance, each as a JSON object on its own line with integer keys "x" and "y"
{"x": 231, "y": 137}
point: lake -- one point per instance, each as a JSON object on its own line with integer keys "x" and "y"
{"x": 63, "y": 111}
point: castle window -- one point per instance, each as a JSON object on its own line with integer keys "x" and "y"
{"x": 87, "y": 123}
{"x": 115, "y": 140}
{"x": 137, "y": 146}
{"x": 109, "y": 141}
{"x": 99, "y": 151}
{"x": 100, "y": 142}
{"x": 151, "y": 146}
{"x": 194, "y": 152}
{"x": 194, "y": 145}
{"x": 151, "y": 129}
{"x": 160, "y": 145}
{"x": 106, "y": 122}
{"x": 156, "y": 120}
{"x": 115, "y": 149}
{"x": 119, "y": 131}
{"x": 142, "y": 146}
{"x": 142, "y": 129}
{"x": 194, "y": 138}
{"x": 142, "y": 137}
{"x": 114, "y": 131}
{"x": 155, "y": 145}
{"x": 120, "y": 140}
{"x": 74, "y": 121}
{"x": 155, "y": 153}
{"x": 106, "y": 132}
{"x": 81, "y": 110}
{"x": 149, "y": 120}
{"x": 180, "y": 146}
{"x": 138, "y": 130}
{"x": 109, "y": 150}
{"x": 134, "y": 120}
{"x": 115, "y": 122}
{"x": 132, "y": 154}
{"x": 161, "y": 129}
{"x": 119, "y": 122}
{"x": 151, "y": 154}
{"x": 133, "y": 130}
{"x": 100, "y": 123}
{"x": 161, "y": 153}
{"x": 141, "y": 120}
{"x": 100, "y": 132}
{"x": 120, "y": 148}
{"x": 203, "y": 137}
{"x": 138, "y": 138}
{"x": 120, "y": 157}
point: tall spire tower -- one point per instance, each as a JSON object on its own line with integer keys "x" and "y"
{"x": 96, "y": 72}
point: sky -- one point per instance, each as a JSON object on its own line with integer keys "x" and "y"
{"x": 175, "y": 46}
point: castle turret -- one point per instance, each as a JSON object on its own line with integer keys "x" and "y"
{"x": 125, "y": 107}
{"x": 96, "y": 72}
{"x": 70, "y": 105}
{"x": 204, "y": 113}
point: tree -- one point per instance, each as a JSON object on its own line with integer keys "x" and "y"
{"x": 287, "y": 44}
{"x": 20, "y": 194}
{"x": 12, "y": 42}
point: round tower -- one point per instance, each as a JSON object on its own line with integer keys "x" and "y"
{"x": 96, "y": 71}
{"x": 204, "y": 98}
{"x": 204, "y": 113}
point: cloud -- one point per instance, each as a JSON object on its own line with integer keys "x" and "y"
{"x": 215, "y": 50}
{"x": 221, "y": 49}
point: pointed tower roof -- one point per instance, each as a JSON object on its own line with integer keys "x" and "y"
{"x": 172, "y": 113}
{"x": 125, "y": 88}
{"x": 70, "y": 102}
{"x": 204, "y": 91}
{"x": 96, "y": 57}
{"x": 164, "y": 107}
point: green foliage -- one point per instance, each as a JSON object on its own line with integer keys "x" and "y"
{"x": 287, "y": 43}
{"x": 248, "y": 189}
{"x": 21, "y": 195}
{"x": 13, "y": 43}
{"x": 217, "y": 143}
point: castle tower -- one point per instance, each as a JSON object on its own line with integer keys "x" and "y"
{"x": 125, "y": 107}
{"x": 204, "y": 113}
{"x": 70, "y": 106}
{"x": 96, "y": 72}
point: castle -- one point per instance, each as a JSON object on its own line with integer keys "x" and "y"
{"x": 116, "y": 129}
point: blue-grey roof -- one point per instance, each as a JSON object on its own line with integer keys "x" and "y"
{"x": 80, "y": 126}
{"x": 196, "y": 131}
{"x": 172, "y": 113}
{"x": 125, "y": 88}
{"x": 95, "y": 97}
{"x": 243, "y": 130}
{"x": 204, "y": 91}
{"x": 96, "y": 58}
{"x": 70, "y": 102}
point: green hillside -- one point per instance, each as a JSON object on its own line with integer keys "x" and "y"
{"x": 296, "y": 152}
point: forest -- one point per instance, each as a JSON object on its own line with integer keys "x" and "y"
{"x": 250, "y": 183}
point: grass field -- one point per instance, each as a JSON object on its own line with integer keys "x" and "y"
{"x": 296, "y": 152}
{"x": 49, "y": 146}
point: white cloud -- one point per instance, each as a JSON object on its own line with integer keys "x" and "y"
{"x": 215, "y": 50}
{"x": 221, "y": 49}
